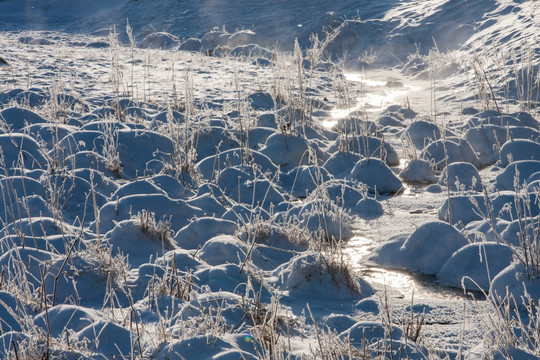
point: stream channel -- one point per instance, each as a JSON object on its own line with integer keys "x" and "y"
{"x": 405, "y": 211}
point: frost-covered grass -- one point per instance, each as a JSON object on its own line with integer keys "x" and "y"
{"x": 101, "y": 199}
{"x": 164, "y": 203}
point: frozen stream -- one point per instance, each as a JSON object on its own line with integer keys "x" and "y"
{"x": 403, "y": 214}
{"x": 375, "y": 91}
{"x": 454, "y": 318}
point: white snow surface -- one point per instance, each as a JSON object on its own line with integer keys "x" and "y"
{"x": 209, "y": 180}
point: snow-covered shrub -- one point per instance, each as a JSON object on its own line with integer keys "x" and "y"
{"x": 159, "y": 40}
{"x": 442, "y": 152}
{"x": 425, "y": 250}
{"x": 419, "y": 171}
{"x": 377, "y": 176}
{"x": 324, "y": 275}
{"x": 461, "y": 177}
{"x": 421, "y": 133}
{"x": 159, "y": 230}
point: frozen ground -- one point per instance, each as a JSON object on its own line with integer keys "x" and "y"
{"x": 196, "y": 185}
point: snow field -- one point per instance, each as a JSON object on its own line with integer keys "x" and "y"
{"x": 180, "y": 198}
{"x": 131, "y": 229}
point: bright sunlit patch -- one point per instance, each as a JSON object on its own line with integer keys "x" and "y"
{"x": 331, "y": 123}
{"x": 406, "y": 283}
{"x": 411, "y": 191}
{"x": 403, "y": 163}
{"x": 357, "y": 248}
{"x": 374, "y": 95}
{"x": 394, "y": 279}
{"x": 361, "y": 78}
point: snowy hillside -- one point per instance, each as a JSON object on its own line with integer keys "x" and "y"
{"x": 269, "y": 179}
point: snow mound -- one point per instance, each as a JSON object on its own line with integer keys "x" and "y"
{"x": 461, "y": 177}
{"x": 376, "y": 334}
{"x": 10, "y": 318}
{"x": 475, "y": 265}
{"x": 519, "y": 170}
{"x": 65, "y": 317}
{"x": 310, "y": 273}
{"x": 211, "y": 165}
{"x": 244, "y": 186}
{"x": 517, "y": 150}
{"x": 377, "y": 176}
{"x": 518, "y": 283}
{"x": 178, "y": 211}
{"x": 368, "y": 208}
{"x": 22, "y": 150}
{"x": 240, "y": 38}
{"x": 159, "y": 40}
{"x": 421, "y": 133}
{"x": 49, "y": 134}
{"x": 425, "y": 250}
{"x": 142, "y": 151}
{"x": 138, "y": 187}
{"x": 367, "y": 147}
{"x": 450, "y": 150}
{"x": 17, "y": 118}
{"x": 483, "y": 140}
{"x": 140, "y": 240}
{"x": 204, "y": 347}
{"x": 213, "y": 140}
{"x": 324, "y": 219}
{"x": 303, "y": 180}
{"x": 287, "y": 151}
{"x": 419, "y": 171}
{"x": 191, "y": 44}
{"x": 202, "y": 229}
{"x": 341, "y": 163}
{"x": 463, "y": 208}
{"x": 262, "y": 101}
{"x": 427, "y": 253}
{"x": 223, "y": 249}
{"x": 108, "y": 339}
{"x": 253, "y": 51}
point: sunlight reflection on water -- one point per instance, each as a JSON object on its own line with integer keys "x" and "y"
{"x": 374, "y": 95}
{"x": 359, "y": 247}
{"x": 407, "y": 283}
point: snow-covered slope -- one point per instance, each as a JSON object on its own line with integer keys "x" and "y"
{"x": 389, "y": 28}
{"x": 215, "y": 191}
